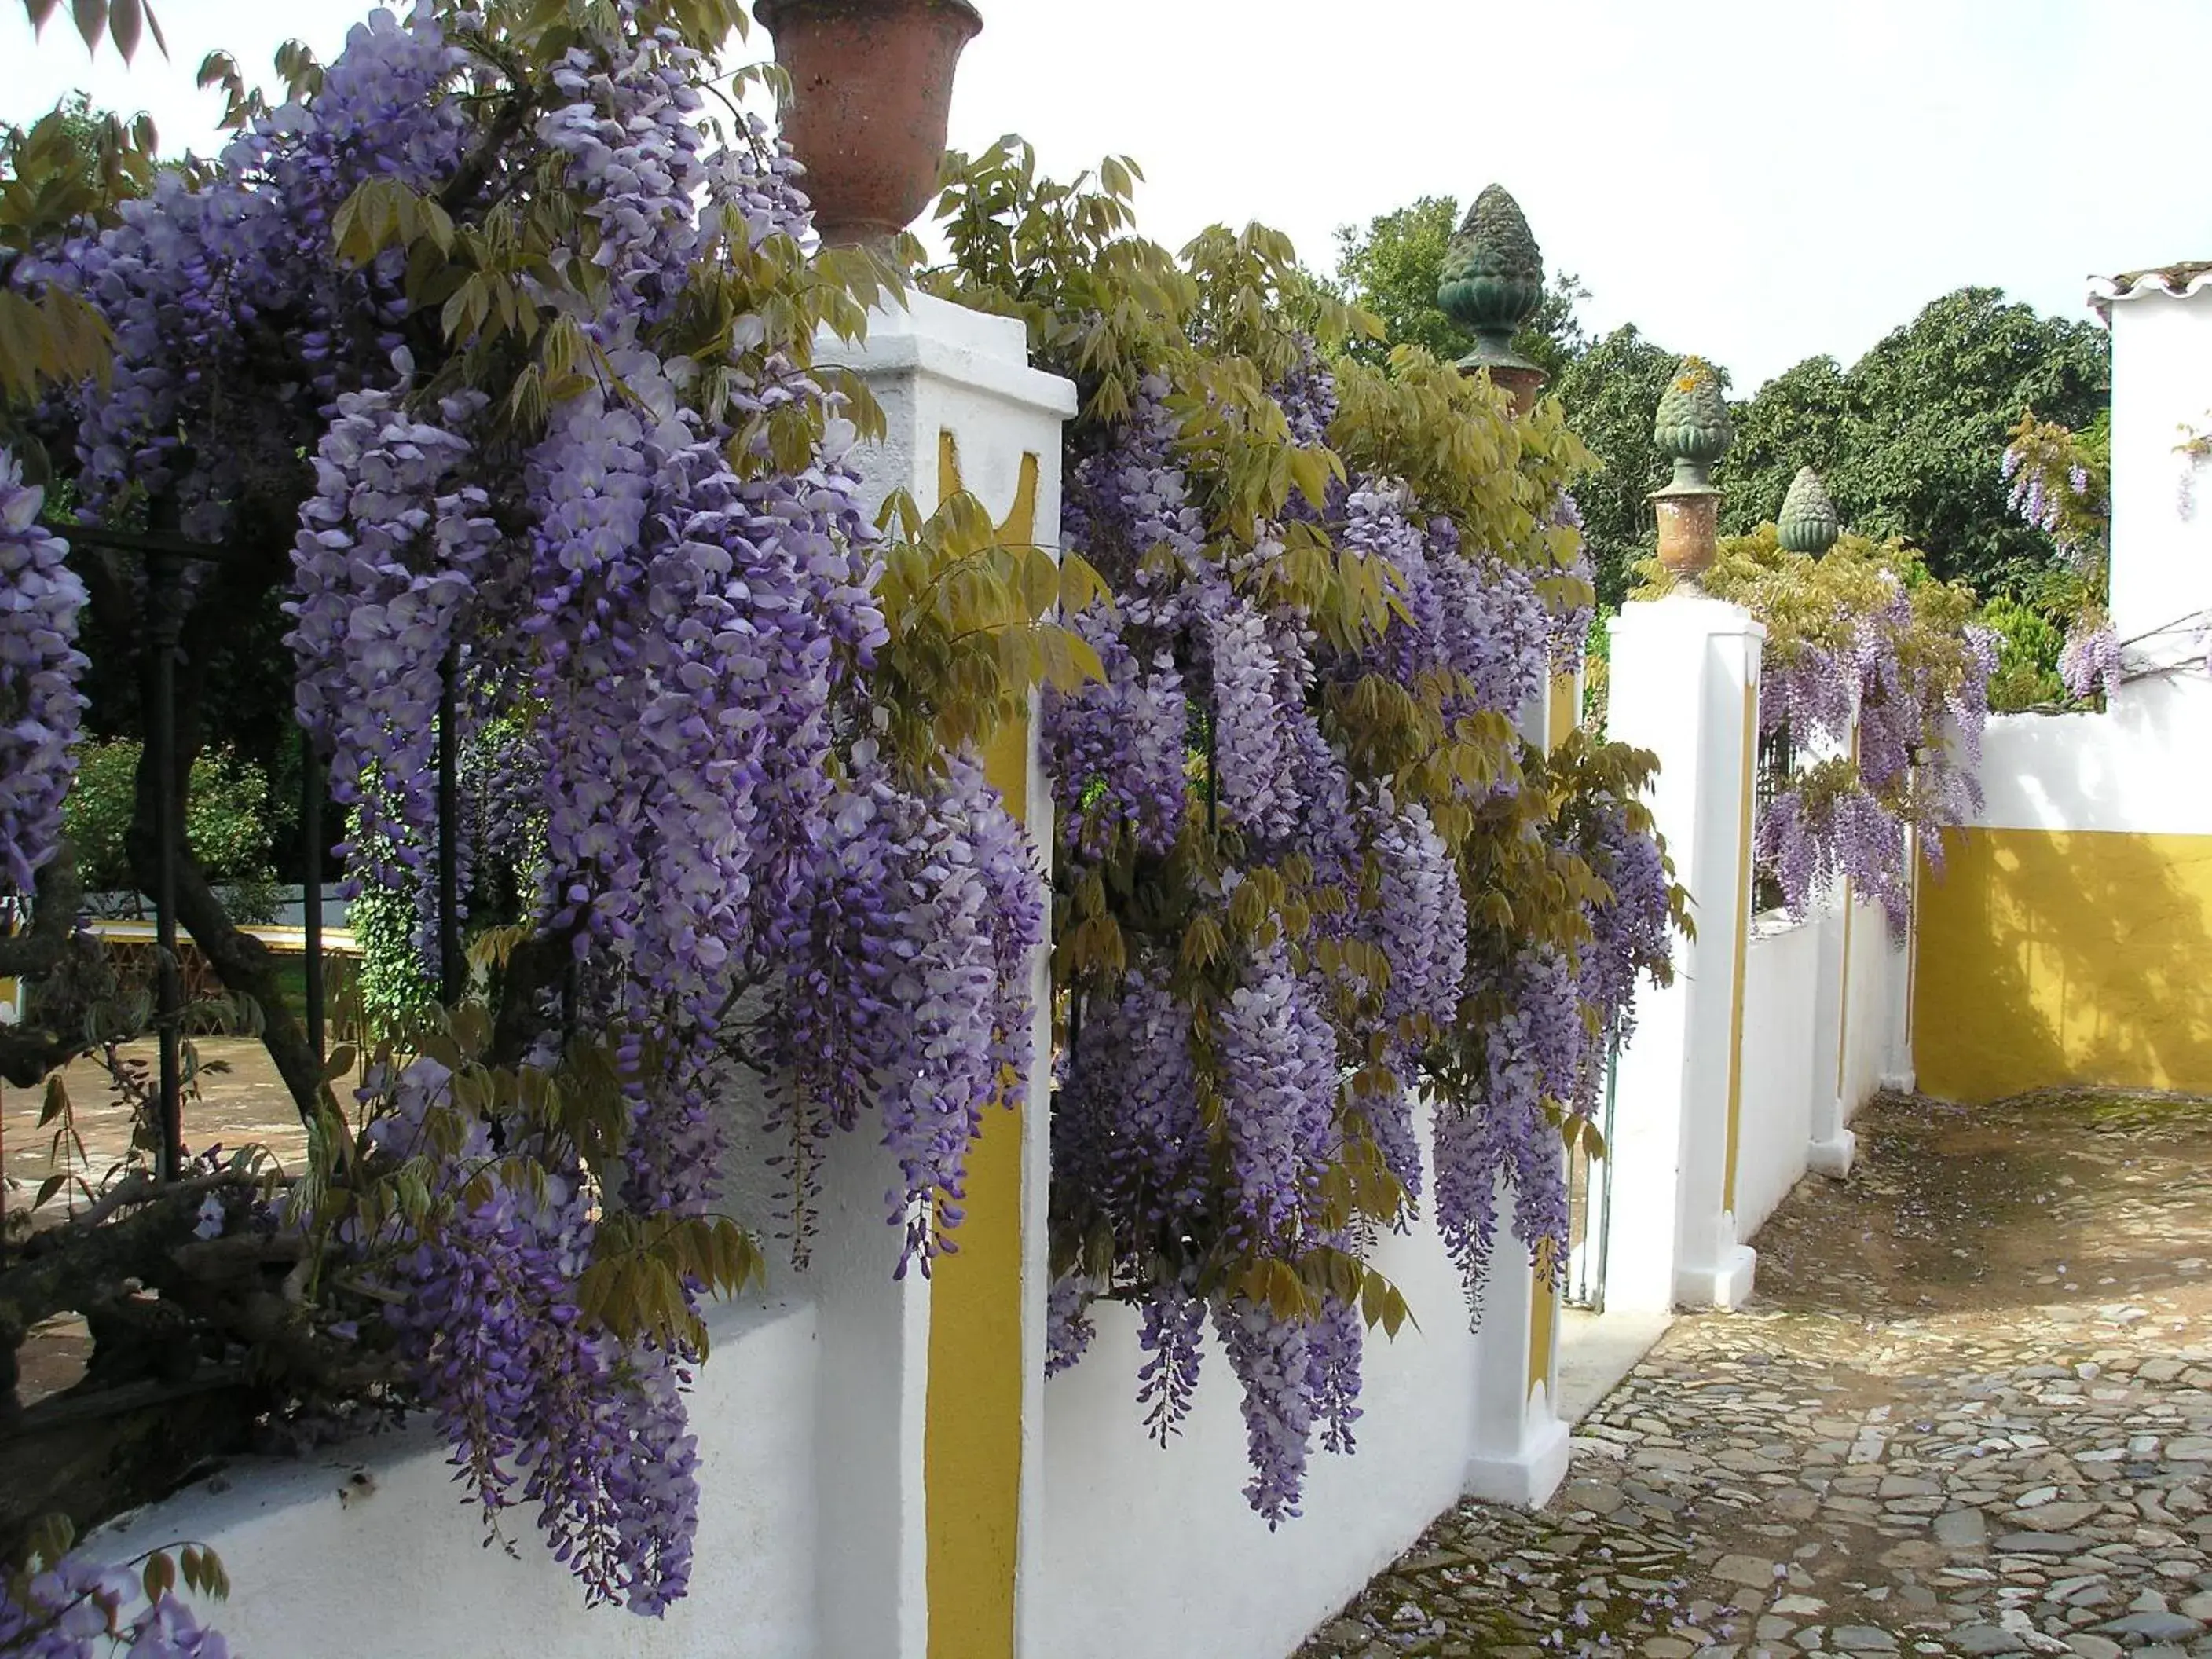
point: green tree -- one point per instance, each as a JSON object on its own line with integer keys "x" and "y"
{"x": 1909, "y": 438}
{"x": 1801, "y": 417}
{"x": 229, "y": 819}
{"x": 1392, "y": 268}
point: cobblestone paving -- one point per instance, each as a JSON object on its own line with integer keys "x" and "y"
{"x": 1970, "y": 1412}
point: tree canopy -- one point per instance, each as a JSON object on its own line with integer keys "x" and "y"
{"x": 1908, "y": 438}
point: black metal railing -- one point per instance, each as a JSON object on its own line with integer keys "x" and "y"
{"x": 1774, "y": 764}
{"x": 165, "y": 559}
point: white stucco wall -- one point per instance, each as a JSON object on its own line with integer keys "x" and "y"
{"x": 2117, "y": 770}
{"x": 2113, "y": 771}
{"x": 2161, "y": 392}
{"x": 400, "y": 1568}
{"x": 1781, "y": 1038}
{"x": 1155, "y": 1552}
{"x": 1871, "y": 1015}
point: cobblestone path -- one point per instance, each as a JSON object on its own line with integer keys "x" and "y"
{"x": 1969, "y": 1412}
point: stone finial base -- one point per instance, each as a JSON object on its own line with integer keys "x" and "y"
{"x": 1689, "y": 531}
{"x": 1521, "y": 383}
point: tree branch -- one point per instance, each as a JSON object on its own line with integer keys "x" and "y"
{"x": 239, "y": 960}
{"x": 54, "y": 919}
{"x": 534, "y": 967}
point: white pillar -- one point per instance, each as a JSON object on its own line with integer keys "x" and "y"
{"x": 1519, "y": 1452}
{"x": 1684, "y": 685}
{"x": 1903, "y": 962}
{"x": 1830, "y": 1146}
{"x": 963, "y": 409}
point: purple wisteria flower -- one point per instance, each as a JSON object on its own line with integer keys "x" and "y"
{"x": 2091, "y": 659}
{"x": 40, "y": 706}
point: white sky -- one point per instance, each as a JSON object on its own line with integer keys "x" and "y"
{"x": 1756, "y": 180}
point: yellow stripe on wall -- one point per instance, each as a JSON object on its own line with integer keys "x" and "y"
{"x": 1565, "y": 711}
{"x": 2053, "y": 957}
{"x": 972, "y": 1436}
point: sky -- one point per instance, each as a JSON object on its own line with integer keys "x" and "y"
{"x": 1757, "y": 181}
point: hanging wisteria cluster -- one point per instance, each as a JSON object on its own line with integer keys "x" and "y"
{"x": 39, "y": 704}
{"x": 1879, "y": 680}
{"x": 2059, "y": 482}
{"x": 2091, "y": 660}
{"x": 1320, "y": 906}
{"x": 544, "y": 1407}
{"x": 512, "y": 344}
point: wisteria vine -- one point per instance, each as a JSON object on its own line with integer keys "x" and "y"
{"x": 40, "y": 706}
{"x": 1878, "y": 678}
{"x": 1320, "y": 908}
{"x": 542, "y": 330}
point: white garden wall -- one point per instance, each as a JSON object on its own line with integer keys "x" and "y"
{"x": 397, "y": 1565}
{"x": 1820, "y": 1008}
{"x": 1781, "y": 1041}
{"x": 1153, "y": 1551}
{"x": 1142, "y": 1551}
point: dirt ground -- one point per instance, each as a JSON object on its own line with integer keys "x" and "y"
{"x": 241, "y": 1101}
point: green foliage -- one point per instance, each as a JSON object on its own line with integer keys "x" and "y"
{"x": 2028, "y": 643}
{"x": 228, "y": 821}
{"x": 70, "y": 167}
{"x": 394, "y": 987}
{"x": 1823, "y": 604}
{"x": 1609, "y": 394}
{"x": 1799, "y": 418}
{"x": 1392, "y": 268}
{"x": 1908, "y": 440}
{"x": 1223, "y": 322}
{"x": 969, "y": 617}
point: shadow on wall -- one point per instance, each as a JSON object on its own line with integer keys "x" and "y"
{"x": 2056, "y": 956}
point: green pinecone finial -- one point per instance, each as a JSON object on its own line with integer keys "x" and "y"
{"x": 1693, "y": 426}
{"x": 1808, "y": 522}
{"x": 1492, "y": 280}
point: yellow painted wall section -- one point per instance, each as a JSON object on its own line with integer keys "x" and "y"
{"x": 1565, "y": 711}
{"x": 2054, "y": 957}
{"x": 972, "y": 1439}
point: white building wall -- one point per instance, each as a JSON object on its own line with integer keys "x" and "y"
{"x": 2161, "y": 394}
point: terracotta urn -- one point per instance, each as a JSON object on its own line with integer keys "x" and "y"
{"x": 871, "y": 84}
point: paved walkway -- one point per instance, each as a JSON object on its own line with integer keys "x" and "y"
{"x": 1970, "y": 1412}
